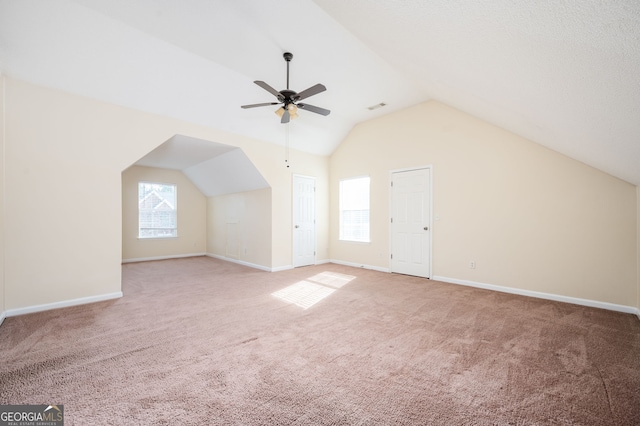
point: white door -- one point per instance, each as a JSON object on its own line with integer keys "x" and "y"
{"x": 304, "y": 220}
{"x": 411, "y": 222}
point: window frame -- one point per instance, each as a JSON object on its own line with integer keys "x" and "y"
{"x": 174, "y": 219}
{"x": 347, "y": 234}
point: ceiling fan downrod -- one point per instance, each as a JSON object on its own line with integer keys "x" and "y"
{"x": 287, "y": 57}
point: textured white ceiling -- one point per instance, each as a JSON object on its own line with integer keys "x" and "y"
{"x": 197, "y": 59}
{"x": 565, "y": 74}
{"x": 561, "y": 73}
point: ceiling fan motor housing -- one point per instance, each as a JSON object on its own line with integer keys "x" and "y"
{"x": 288, "y": 96}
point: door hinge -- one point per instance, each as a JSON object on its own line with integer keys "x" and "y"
{"x": 391, "y": 220}
{"x": 392, "y": 255}
{"x": 392, "y": 184}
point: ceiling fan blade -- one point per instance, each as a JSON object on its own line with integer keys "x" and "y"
{"x": 315, "y": 109}
{"x": 269, "y": 89}
{"x": 259, "y": 105}
{"x": 285, "y": 117}
{"x": 313, "y": 90}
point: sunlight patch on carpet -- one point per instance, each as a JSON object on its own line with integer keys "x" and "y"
{"x": 331, "y": 279}
{"x": 307, "y": 293}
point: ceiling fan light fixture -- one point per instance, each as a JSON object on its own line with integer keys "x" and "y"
{"x": 293, "y": 111}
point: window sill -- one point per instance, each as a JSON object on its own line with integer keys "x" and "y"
{"x": 157, "y": 238}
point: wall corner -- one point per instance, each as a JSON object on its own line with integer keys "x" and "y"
{"x": 638, "y": 251}
{"x": 2, "y": 194}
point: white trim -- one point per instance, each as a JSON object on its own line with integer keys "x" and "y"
{"x": 281, "y": 268}
{"x": 340, "y": 180}
{"x": 304, "y": 176}
{"x": 171, "y": 256}
{"x": 359, "y": 265}
{"x": 262, "y": 268}
{"x": 409, "y": 169}
{"x": 63, "y": 304}
{"x": 287, "y": 267}
{"x": 174, "y": 237}
{"x": 242, "y": 262}
{"x": 293, "y": 215}
{"x": 541, "y": 295}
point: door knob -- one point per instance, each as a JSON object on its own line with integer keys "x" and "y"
{"x": 297, "y": 226}
{"x": 426, "y": 228}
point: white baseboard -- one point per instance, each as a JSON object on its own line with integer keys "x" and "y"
{"x": 240, "y": 262}
{"x": 261, "y": 267}
{"x": 171, "y": 256}
{"x": 359, "y": 265}
{"x": 281, "y": 268}
{"x": 287, "y": 267}
{"x": 62, "y": 304}
{"x": 541, "y": 295}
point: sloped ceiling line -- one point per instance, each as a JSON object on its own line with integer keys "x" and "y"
{"x": 562, "y": 74}
{"x": 214, "y": 168}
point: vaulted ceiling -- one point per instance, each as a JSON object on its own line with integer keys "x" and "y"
{"x": 563, "y": 74}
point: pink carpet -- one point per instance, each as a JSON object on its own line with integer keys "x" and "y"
{"x": 201, "y": 341}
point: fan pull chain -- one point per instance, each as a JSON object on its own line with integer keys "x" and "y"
{"x": 286, "y": 144}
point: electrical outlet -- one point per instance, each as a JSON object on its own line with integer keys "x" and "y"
{"x": 472, "y": 264}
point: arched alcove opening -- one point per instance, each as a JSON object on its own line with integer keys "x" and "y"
{"x": 223, "y": 203}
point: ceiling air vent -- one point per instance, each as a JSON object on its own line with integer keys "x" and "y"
{"x": 376, "y": 106}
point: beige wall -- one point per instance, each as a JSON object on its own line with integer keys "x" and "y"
{"x": 282, "y": 209}
{"x": 257, "y": 242}
{"x": 191, "y": 210}
{"x": 64, "y": 158}
{"x": 239, "y": 227}
{"x": 529, "y": 217}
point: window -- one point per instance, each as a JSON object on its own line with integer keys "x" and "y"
{"x": 157, "y": 216}
{"x": 354, "y": 209}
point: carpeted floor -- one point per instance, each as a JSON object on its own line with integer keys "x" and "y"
{"x": 201, "y": 341}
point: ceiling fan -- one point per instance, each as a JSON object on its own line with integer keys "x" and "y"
{"x": 289, "y": 99}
